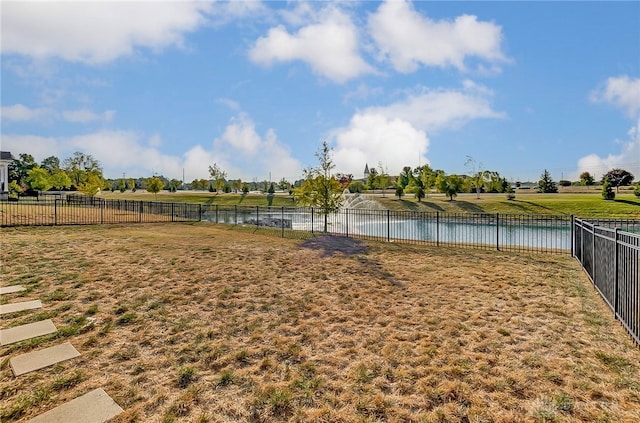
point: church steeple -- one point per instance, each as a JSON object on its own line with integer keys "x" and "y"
{"x": 366, "y": 170}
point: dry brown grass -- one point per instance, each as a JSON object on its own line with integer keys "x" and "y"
{"x": 199, "y": 323}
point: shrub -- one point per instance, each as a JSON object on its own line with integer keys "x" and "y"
{"x": 636, "y": 190}
{"x": 607, "y": 190}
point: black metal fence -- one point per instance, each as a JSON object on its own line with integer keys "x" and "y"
{"x": 611, "y": 259}
{"x": 81, "y": 210}
{"x": 512, "y": 232}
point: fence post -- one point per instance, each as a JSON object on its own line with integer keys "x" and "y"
{"x": 437, "y": 229}
{"x": 55, "y": 212}
{"x": 282, "y": 221}
{"x": 498, "y": 231}
{"x": 216, "y": 213}
{"x": 615, "y": 274}
{"x": 573, "y": 237}
{"x": 235, "y": 214}
{"x": 582, "y": 243}
{"x": 388, "y": 225}
{"x": 172, "y": 212}
{"x": 140, "y": 212}
{"x": 593, "y": 255}
{"x": 312, "y": 220}
{"x": 346, "y": 217}
{"x": 257, "y": 217}
{"x": 101, "y": 211}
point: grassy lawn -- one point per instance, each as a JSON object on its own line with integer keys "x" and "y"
{"x": 580, "y": 205}
{"x": 204, "y": 197}
{"x": 589, "y": 204}
{"x": 193, "y": 322}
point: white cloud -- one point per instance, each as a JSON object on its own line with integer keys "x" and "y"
{"x": 240, "y": 151}
{"x": 254, "y": 155}
{"x": 397, "y": 134}
{"x": 372, "y": 138}
{"x": 407, "y": 39}
{"x": 86, "y": 116}
{"x": 628, "y": 158}
{"x": 22, "y": 113}
{"x": 329, "y": 46}
{"x": 436, "y": 109}
{"x": 622, "y": 92}
{"x": 96, "y": 32}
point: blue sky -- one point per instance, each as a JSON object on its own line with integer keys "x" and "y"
{"x": 255, "y": 87}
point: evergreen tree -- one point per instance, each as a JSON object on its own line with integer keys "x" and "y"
{"x": 546, "y": 183}
{"x": 607, "y": 190}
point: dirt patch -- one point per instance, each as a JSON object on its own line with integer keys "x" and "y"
{"x": 330, "y": 245}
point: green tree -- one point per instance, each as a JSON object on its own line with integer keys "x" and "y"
{"x": 428, "y": 177}
{"x": 618, "y": 178}
{"x": 60, "y": 180}
{"x": 320, "y": 189}
{"x": 79, "y": 166}
{"x": 14, "y": 189}
{"x": 405, "y": 176}
{"x": 38, "y": 179}
{"x": 383, "y": 180}
{"x": 284, "y": 185}
{"x": 218, "y": 176}
{"x": 399, "y": 190}
{"x": 477, "y": 175}
{"x": 19, "y": 168}
{"x": 607, "y": 190}
{"x": 174, "y": 184}
{"x": 92, "y": 184}
{"x": 416, "y": 186}
{"x": 132, "y": 184}
{"x": 51, "y": 164}
{"x": 245, "y": 189}
{"x": 372, "y": 179}
{"x": 450, "y": 185}
{"x": 272, "y": 189}
{"x": 546, "y": 183}
{"x": 636, "y": 190}
{"x": 155, "y": 185}
{"x": 356, "y": 187}
{"x": 122, "y": 186}
{"x": 586, "y": 179}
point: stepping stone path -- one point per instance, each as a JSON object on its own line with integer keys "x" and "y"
{"x": 93, "y": 407}
{"x": 28, "y": 331}
{"x": 40, "y": 359}
{"x": 14, "y": 307}
{"x": 11, "y": 289}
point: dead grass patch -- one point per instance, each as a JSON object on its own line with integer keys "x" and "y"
{"x": 192, "y": 322}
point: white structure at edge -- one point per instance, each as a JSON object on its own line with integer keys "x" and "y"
{"x": 5, "y": 159}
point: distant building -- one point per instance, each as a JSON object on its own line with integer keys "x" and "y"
{"x": 5, "y": 159}
{"x": 366, "y": 171}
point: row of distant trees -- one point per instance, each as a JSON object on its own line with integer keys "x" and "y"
{"x": 82, "y": 172}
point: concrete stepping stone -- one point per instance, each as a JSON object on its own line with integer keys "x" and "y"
{"x": 14, "y": 307}
{"x": 11, "y": 289}
{"x": 28, "y": 331}
{"x": 40, "y": 359}
{"x": 93, "y": 407}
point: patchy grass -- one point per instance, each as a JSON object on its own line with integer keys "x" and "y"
{"x": 193, "y": 322}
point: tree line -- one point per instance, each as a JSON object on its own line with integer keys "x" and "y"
{"x": 82, "y": 172}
